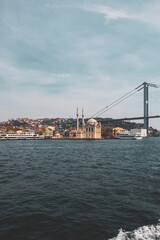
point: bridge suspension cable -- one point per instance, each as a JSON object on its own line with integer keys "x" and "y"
{"x": 119, "y": 100}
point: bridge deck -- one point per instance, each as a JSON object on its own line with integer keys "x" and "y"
{"x": 127, "y": 119}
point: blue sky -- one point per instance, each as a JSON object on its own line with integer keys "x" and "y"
{"x": 57, "y": 54}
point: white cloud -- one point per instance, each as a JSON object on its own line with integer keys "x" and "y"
{"x": 14, "y": 76}
{"x": 109, "y": 13}
{"x": 148, "y": 14}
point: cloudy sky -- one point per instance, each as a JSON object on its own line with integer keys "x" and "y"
{"x": 57, "y": 54}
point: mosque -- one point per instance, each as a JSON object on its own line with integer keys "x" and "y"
{"x": 90, "y": 130}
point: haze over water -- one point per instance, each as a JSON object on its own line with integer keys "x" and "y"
{"x": 79, "y": 190}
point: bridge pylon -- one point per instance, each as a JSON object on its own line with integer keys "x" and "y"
{"x": 146, "y": 119}
{"x": 146, "y": 103}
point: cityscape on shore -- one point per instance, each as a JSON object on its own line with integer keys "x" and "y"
{"x": 78, "y": 128}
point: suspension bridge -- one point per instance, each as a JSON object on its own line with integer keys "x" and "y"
{"x": 145, "y": 87}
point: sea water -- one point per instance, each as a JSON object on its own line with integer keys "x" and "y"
{"x": 80, "y": 190}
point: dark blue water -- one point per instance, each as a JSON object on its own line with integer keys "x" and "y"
{"x": 76, "y": 190}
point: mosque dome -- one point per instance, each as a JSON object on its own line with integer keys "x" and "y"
{"x": 92, "y": 121}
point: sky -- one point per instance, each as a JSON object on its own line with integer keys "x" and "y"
{"x": 57, "y": 54}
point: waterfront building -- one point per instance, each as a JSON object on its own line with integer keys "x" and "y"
{"x": 90, "y": 130}
{"x": 49, "y": 131}
{"x": 141, "y": 131}
{"x": 116, "y": 131}
{"x": 57, "y": 135}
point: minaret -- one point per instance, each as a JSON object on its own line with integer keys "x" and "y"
{"x": 83, "y": 123}
{"x": 77, "y": 119}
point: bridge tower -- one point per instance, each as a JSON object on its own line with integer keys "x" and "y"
{"x": 146, "y": 119}
{"x": 146, "y": 99}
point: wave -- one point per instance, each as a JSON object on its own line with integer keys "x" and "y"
{"x": 151, "y": 232}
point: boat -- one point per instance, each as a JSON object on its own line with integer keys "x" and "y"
{"x": 136, "y": 136}
{"x": 20, "y": 136}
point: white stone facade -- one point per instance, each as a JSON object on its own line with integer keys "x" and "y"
{"x": 141, "y": 131}
{"x": 90, "y": 130}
